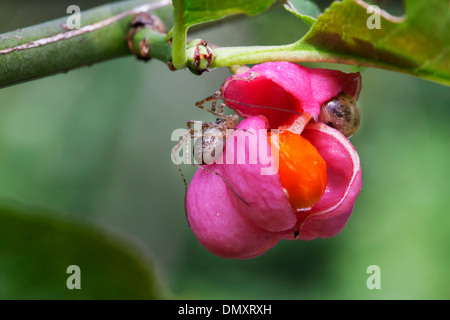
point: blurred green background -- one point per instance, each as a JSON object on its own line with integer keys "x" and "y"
{"x": 91, "y": 150}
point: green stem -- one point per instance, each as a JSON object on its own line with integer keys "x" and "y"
{"x": 50, "y": 48}
{"x": 179, "y": 36}
{"x": 159, "y": 48}
{"x": 228, "y": 56}
{"x": 300, "y": 52}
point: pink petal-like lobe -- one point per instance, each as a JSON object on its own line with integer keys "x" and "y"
{"x": 269, "y": 206}
{"x": 216, "y": 223}
{"x": 288, "y": 86}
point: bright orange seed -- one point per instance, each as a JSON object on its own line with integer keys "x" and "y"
{"x": 303, "y": 172}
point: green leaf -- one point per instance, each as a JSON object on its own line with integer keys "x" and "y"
{"x": 304, "y": 9}
{"x": 190, "y": 12}
{"x": 418, "y": 44}
{"x": 36, "y": 249}
{"x": 200, "y": 11}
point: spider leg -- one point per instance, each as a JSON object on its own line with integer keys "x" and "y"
{"x": 175, "y": 149}
{"x": 213, "y": 100}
